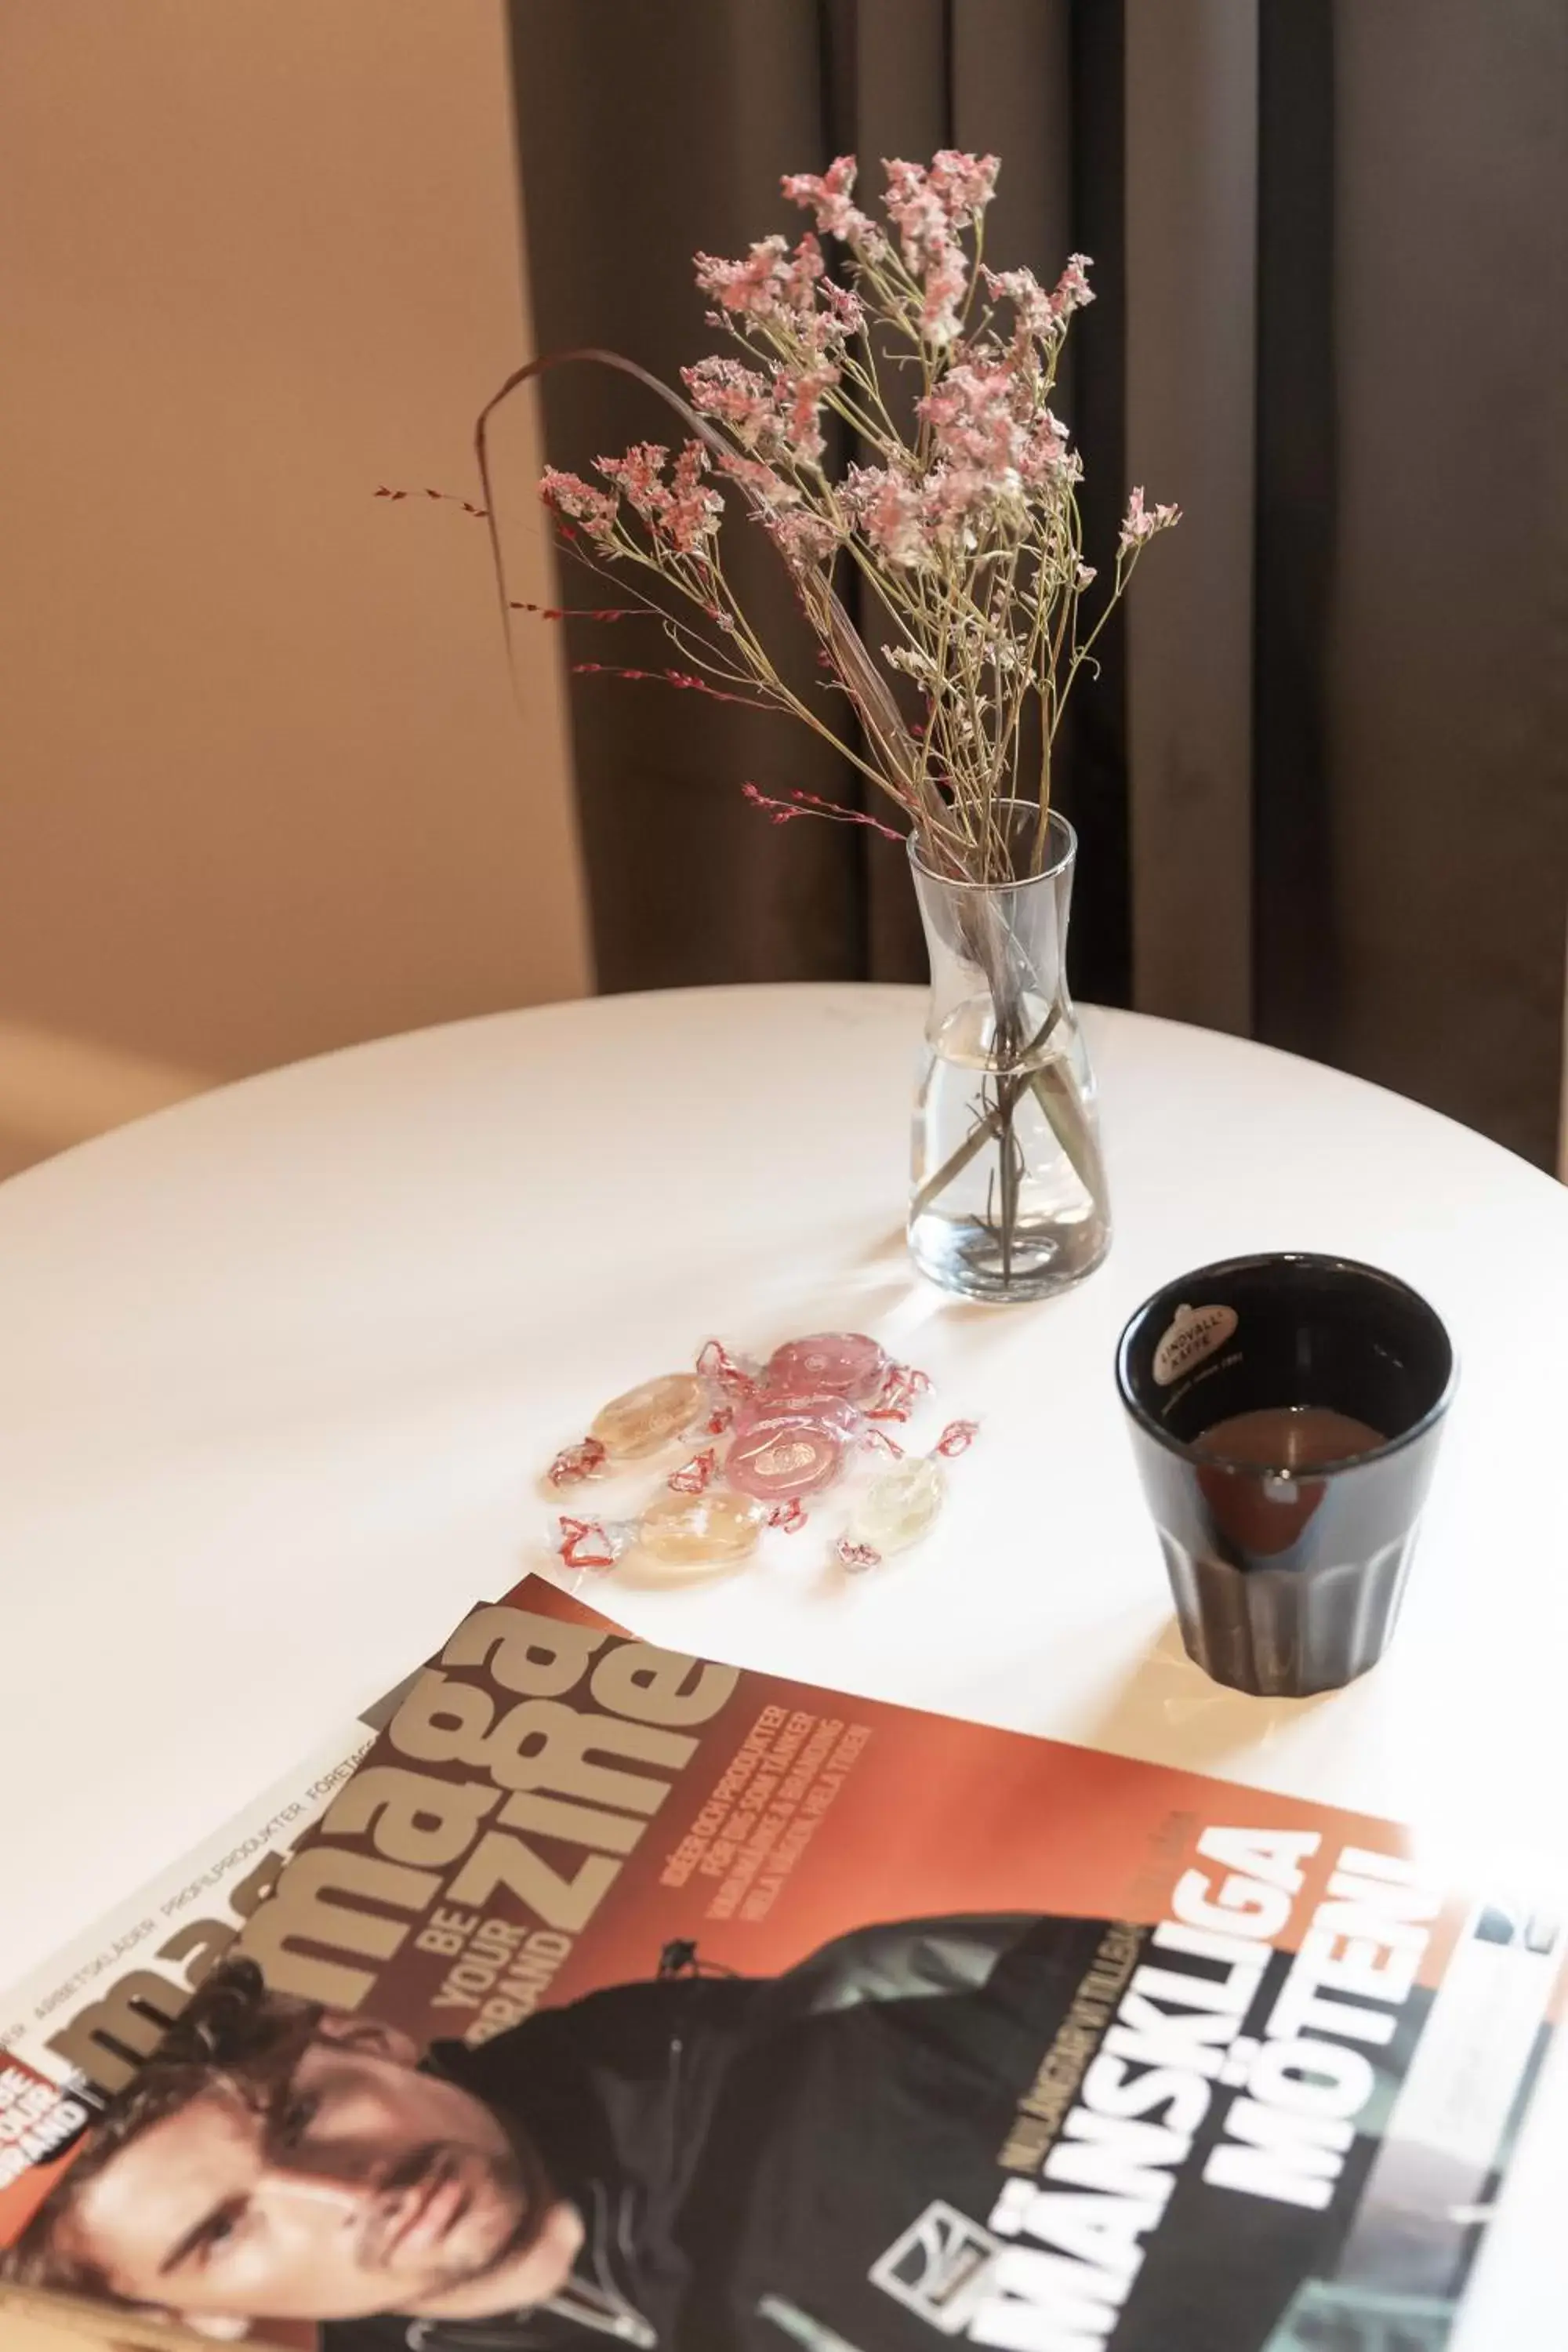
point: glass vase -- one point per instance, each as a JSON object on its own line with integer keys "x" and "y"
{"x": 1009, "y": 1199}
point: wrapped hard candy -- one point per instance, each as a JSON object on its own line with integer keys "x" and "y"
{"x": 695, "y": 1533}
{"x": 634, "y": 1425}
{"x": 782, "y": 1449}
{"x": 897, "y": 1509}
{"x": 713, "y": 1530}
{"x": 649, "y": 1416}
{"x": 833, "y": 1363}
{"x": 819, "y": 1405}
{"x": 848, "y": 1364}
{"x": 902, "y": 1504}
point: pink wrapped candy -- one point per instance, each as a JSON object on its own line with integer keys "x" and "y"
{"x": 835, "y": 1363}
{"x": 847, "y": 1364}
{"x": 782, "y": 1448}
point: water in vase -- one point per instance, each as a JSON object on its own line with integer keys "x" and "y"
{"x": 1008, "y": 1197}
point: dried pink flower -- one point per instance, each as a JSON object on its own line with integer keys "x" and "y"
{"x": 639, "y": 477}
{"x": 954, "y": 188}
{"x": 683, "y": 513}
{"x": 751, "y": 285}
{"x": 917, "y": 212}
{"x": 929, "y": 209}
{"x": 803, "y": 537}
{"x": 579, "y": 501}
{"x": 827, "y": 196}
{"x": 888, "y": 509}
{"x": 963, "y": 184}
{"x": 954, "y": 495}
{"x": 974, "y": 415}
{"x": 694, "y": 510}
{"x": 1046, "y": 458}
{"x": 1027, "y": 296}
{"x": 846, "y": 311}
{"x": 946, "y": 282}
{"x": 800, "y": 533}
{"x": 737, "y": 395}
{"x": 773, "y": 285}
{"x": 1140, "y": 522}
{"x": 797, "y": 398}
{"x": 1072, "y": 290}
{"x": 1040, "y": 314}
{"x": 805, "y": 267}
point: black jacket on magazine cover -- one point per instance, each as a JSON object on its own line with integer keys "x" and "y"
{"x": 814, "y": 2159}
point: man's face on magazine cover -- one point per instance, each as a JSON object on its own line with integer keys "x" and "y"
{"x": 363, "y": 2186}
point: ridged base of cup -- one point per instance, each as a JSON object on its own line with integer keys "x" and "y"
{"x": 1281, "y": 1633}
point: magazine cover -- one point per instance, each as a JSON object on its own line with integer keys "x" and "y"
{"x": 93, "y": 2012}
{"x": 620, "y": 1996}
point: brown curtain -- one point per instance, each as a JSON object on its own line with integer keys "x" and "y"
{"x": 1322, "y": 785}
{"x": 647, "y": 133}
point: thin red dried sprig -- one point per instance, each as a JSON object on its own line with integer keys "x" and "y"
{"x": 813, "y": 804}
{"x": 580, "y": 612}
{"x": 448, "y": 498}
{"x": 688, "y": 641}
{"x": 680, "y": 678}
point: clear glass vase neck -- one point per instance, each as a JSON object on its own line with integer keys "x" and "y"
{"x": 1004, "y": 941}
{"x": 1008, "y": 1196}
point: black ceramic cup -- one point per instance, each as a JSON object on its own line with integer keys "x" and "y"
{"x": 1285, "y": 1413}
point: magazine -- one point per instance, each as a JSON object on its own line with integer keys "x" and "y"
{"x": 618, "y": 1996}
{"x": 96, "y": 2010}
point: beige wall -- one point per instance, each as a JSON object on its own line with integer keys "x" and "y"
{"x": 263, "y": 789}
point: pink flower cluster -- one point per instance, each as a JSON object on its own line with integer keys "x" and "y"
{"x": 781, "y": 418}
{"x": 772, "y": 284}
{"x": 827, "y": 196}
{"x": 979, "y": 415}
{"x": 683, "y": 512}
{"x": 890, "y": 511}
{"x": 578, "y": 501}
{"x": 979, "y": 502}
{"x": 1140, "y": 522}
{"x": 737, "y": 396}
{"x": 803, "y": 538}
{"x": 799, "y": 394}
{"x": 929, "y": 207}
{"x": 993, "y": 446}
{"x": 1042, "y": 315}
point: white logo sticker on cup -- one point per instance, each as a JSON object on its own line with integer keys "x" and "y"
{"x": 1195, "y": 1333}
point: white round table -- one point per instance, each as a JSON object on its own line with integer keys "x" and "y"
{"x": 281, "y": 1367}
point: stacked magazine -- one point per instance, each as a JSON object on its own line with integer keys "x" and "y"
{"x": 588, "y": 1993}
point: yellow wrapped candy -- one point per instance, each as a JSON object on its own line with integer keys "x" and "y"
{"x": 648, "y": 1416}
